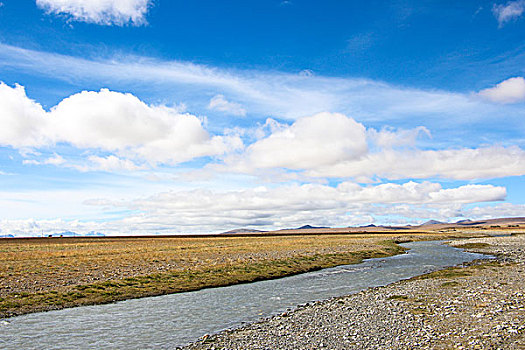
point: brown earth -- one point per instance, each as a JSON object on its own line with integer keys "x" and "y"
{"x": 50, "y": 273}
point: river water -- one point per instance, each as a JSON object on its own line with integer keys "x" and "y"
{"x": 168, "y": 321}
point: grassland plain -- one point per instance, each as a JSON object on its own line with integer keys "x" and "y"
{"x": 54, "y": 273}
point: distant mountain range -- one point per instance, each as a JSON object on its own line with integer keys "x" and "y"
{"x": 76, "y": 234}
{"x": 309, "y": 227}
{"x": 241, "y": 230}
{"x": 371, "y": 228}
{"x": 429, "y": 225}
{"x": 468, "y": 222}
{"x": 432, "y": 222}
{"x": 62, "y": 234}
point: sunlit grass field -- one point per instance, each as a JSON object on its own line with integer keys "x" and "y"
{"x": 51, "y": 273}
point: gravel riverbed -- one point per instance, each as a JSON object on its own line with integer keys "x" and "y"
{"x": 477, "y": 306}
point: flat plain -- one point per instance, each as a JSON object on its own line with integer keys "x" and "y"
{"x": 41, "y": 274}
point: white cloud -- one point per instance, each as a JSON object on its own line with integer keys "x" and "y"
{"x": 112, "y": 163}
{"x": 511, "y": 90}
{"x": 469, "y": 194}
{"x": 459, "y": 164}
{"x": 329, "y": 145}
{"x": 360, "y": 43}
{"x": 108, "y": 121}
{"x": 420, "y": 193}
{"x": 106, "y": 12}
{"x": 502, "y": 210}
{"x": 281, "y": 95}
{"x": 323, "y": 145}
{"x": 124, "y": 124}
{"x": 22, "y": 119}
{"x": 108, "y": 164}
{"x": 32, "y": 227}
{"x": 115, "y": 131}
{"x": 205, "y": 211}
{"x": 511, "y": 10}
{"x": 388, "y": 138}
{"x": 91, "y": 163}
{"x": 55, "y": 160}
{"x": 454, "y": 118}
{"x": 220, "y": 103}
{"x": 309, "y": 143}
{"x": 293, "y": 205}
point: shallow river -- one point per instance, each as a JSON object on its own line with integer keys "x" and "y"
{"x": 171, "y": 320}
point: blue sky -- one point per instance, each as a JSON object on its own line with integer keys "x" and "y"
{"x": 140, "y": 116}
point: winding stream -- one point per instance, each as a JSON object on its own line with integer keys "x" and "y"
{"x": 172, "y": 320}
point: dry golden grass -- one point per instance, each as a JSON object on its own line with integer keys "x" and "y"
{"x": 52, "y": 273}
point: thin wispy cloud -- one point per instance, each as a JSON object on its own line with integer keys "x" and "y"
{"x": 510, "y": 11}
{"x": 104, "y": 12}
{"x": 360, "y": 43}
{"x": 220, "y": 103}
{"x": 262, "y": 93}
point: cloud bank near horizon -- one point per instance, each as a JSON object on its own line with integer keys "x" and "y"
{"x": 348, "y": 204}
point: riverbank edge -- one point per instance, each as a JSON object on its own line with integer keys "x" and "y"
{"x": 494, "y": 260}
{"x": 159, "y": 284}
{"x": 185, "y": 281}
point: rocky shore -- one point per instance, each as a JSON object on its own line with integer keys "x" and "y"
{"x": 477, "y": 306}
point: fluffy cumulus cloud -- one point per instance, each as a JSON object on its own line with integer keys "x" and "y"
{"x": 22, "y": 119}
{"x": 124, "y": 124}
{"x": 330, "y": 145}
{"x": 124, "y": 133}
{"x": 108, "y": 121}
{"x": 511, "y": 90}
{"x": 309, "y": 143}
{"x": 220, "y": 103}
{"x": 509, "y": 11}
{"x": 106, "y": 12}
